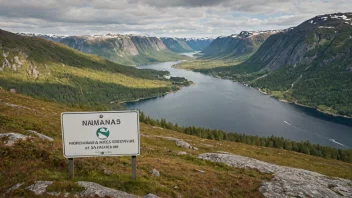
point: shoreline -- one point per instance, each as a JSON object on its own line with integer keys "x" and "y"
{"x": 152, "y": 97}
{"x": 299, "y": 104}
{"x": 284, "y": 100}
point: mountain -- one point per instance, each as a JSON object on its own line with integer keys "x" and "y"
{"x": 198, "y": 44}
{"x": 51, "y": 37}
{"x": 122, "y": 49}
{"x": 53, "y": 71}
{"x": 176, "y": 45}
{"x": 171, "y": 163}
{"x": 310, "y": 64}
{"x": 179, "y": 45}
{"x": 236, "y": 46}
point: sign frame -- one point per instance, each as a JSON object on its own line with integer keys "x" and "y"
{"x": 100, "y": 155}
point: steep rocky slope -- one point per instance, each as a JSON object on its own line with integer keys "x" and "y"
{"x": 176, "y": 44}
{"x": 236, "y": 46}
{"x": 123, "y": 49}
{"x": 186, "y": 44}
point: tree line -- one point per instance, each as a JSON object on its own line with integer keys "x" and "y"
{"x": 273, "y": 142}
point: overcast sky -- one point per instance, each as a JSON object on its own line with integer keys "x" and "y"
{"x": 176, "y": 18}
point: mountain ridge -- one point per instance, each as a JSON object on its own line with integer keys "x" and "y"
{"x": 130, "y": 49}
{"x": 54, "y": 71}
{"x": 236, "y": 46}
{"x": 309, "y": 64}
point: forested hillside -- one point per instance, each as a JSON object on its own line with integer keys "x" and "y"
{"x": 310, "y": 64}
{"x": 53, "y": 71}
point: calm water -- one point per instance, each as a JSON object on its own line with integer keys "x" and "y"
{"x": 229, "y": 106}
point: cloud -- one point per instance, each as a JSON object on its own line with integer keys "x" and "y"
{"x": 185, "y": 18}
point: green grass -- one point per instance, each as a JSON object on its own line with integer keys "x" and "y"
{"x": 204, "y": 64}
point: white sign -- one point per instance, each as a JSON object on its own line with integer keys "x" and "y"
{"x": 89, "y": 134}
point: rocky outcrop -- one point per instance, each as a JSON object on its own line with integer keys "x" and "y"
{"x": 32, "y": 71}
{"x": 12, "y": 138}
{"x": 14, "y": 63}
{"x": 91, "y": 190}
{"x": 287, "y": 182}
{"x": 14, "y": 187}
{"x": 19, "y": 106}
{"x": 150, "y": 195}
{"x": 39, "y": 187}
{"x": 94, "y": 189}
{"x": 179, "y": 142}
{"x": 41, "y": 136}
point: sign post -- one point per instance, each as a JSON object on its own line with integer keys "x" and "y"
{"x": 134, "y": 165}
{"x": 100, "y": 134}
{"x": 71, "y": 168}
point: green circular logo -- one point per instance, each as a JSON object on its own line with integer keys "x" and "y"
{"x": 103, "y": 133}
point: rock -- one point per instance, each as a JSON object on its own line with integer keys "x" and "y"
{"x": 93, "y": 189}
{"x": 54, "y": 193}
{"x": 178, "y": 142}
{"x": 182, "y": 153}
{"x": 287, "y": 181}
{"x": 14, "y": 187}
{"x": 155, "y": 172}
{"x": 195, "y": 148}
{"x": 183, "y": 144}
{"x": 12, "y": 138}
{"x": 201, "y": 171}
{"x": 207, "y": 145}
{"x": 223, "y": 152}
{"x": 43, "y": 137}
{"x": 107, "y": 172}
{"x": 150, "y": 195}
{"x": 39, "y": 187}
{"x": 18, "y": 106}
{"x": 176, "y": 187}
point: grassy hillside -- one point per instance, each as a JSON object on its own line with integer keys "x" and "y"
{"x": 35, "y": 159}
{"x": 53, "y": 71}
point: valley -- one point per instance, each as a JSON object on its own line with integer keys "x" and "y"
{"x": 254, "y": 113}
{"x": 314, "y": 58}
{"x": 241, "y": 109}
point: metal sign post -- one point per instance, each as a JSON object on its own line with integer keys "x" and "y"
{"x": 134, "y": 167}
{"x": 95, "y": 134}
{"x": 71, "y": 167}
